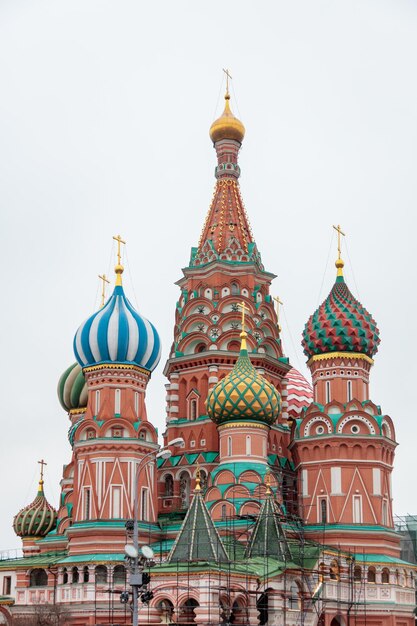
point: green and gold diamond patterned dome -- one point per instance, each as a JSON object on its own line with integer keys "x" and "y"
{"x": 243, "y": 394}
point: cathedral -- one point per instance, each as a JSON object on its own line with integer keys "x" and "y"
{"x": 269, "y": 500}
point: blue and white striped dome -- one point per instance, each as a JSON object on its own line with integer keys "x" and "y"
{"x": 118, "y": 334}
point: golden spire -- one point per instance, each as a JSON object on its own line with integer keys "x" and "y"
{"x": 41, "y": 463}
{"x": 104, "y": 280}
{"x": 339, "y": 263}
{"x": 268, "y": 491}
{"x": 243, "y": 334}
{"x": 197, "y": 480}
{"x": 278, "y": 303}
{"x": 119, "y": 267}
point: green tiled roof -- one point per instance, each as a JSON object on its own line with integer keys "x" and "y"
{"x": 198, "y": 538}
{"x": 268, "y": 538}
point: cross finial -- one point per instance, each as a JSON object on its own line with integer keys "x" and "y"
{"x": 277, "y": 309}
{"x": 243, "y": 334}
{"x": 119, "y": 267}
{"x": 339, "y": 262}
{"x": 104, "y": 280}
{"x": 198, "y": 479}
{"x": 41, "y": 463}
{"x": 268, "y": 491}
{"x": 228, "y": 77}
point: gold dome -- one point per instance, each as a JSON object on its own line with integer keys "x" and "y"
{"x": 227, "y": 126}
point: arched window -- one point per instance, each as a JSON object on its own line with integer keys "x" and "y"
{"x": 224, "y": 511}
{"x": 193, "y": 409}
{"x": 323, "y": 511}
{"x": 229, "y": 446}
{"x": 294, "y": 597}
{"x": 101, "y": 575}
{"x": 86, "y": 574}
{"x": 64, "y": 576}
{"x": 357, "y": 573}
{"x": 235, "y": 289}
{"x": 371, "y": 574}
{"x": 166, "y": 609}
{"x": 349, "y": 390}
{"x": 262, "y": 606}
{"x": 187, "y": 612}
{"x": 248, "y": 445}
{"x": 185, "y": 489}
{"x": 117, "y": 401}
{"x": 385, "y": 576}
{"x": 328, "y": 391}
{"x": 169, "y": 485}
{"x": 203, "y": 480}
{"x": 38, "y": 578}
{"x": 334, "y": 570}
{"x": 75, "y": 575}
{"x": 119, "y": 575}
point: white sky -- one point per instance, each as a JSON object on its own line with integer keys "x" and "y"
{"x": 104, "y": 115}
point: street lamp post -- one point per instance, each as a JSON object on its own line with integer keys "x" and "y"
{"x": 138, "y": 561}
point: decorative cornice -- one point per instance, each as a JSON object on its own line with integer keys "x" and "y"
{"x": 245, "y": 424}
{"x": 116, "y": 366}
{"x": 340, "y": 355}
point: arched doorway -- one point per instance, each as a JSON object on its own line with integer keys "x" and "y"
{"x": 187, "y": 612}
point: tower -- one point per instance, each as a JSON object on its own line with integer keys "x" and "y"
{"x": 116, "y": 350}
{"x": 224, "y": 270}
{"x": 342, "y": 443}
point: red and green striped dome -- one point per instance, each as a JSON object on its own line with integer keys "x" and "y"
{"x": 37, "y": 519}
{"x": 340, "y": 324}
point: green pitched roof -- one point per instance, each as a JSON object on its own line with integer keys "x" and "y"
{"x": 268, "y": 538}
{"x": 198, "y": 538}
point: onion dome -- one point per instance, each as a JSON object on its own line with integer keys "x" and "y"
{"x": 300, "y": 393}
{"x": 227, "y": 126}
{"x": 36, "y": 519}
{"x": 72, "y": 430}
{"x": 72, "y": 388}
{"x": 244, "y": 394}
{"x": 340, "y": 324}
{"x": 117, "y": 333}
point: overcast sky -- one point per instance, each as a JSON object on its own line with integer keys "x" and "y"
{"x": 104, "y": 115}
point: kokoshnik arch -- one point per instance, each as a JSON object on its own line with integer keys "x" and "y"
{"x": 277, "y": 510}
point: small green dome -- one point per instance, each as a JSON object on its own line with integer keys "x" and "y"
{"x": 243, "y": 394}
{"x": 37, "y": 519}
{"x": 72, "y": 388}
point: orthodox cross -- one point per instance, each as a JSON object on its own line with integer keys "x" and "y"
{"x": 228, "y": 76}
{"x": 244, "y": 308}
{"x": 268, "y": 483}
{"x": 119, "y": 241}
{"x": 103, "y": 288}
{"x": 198, "y": 479}
{"x": 279, "y": 302}
{"x": 42, "y": 463}
{"x": 339, "y": 233}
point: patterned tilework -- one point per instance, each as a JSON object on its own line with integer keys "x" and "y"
{"x": 243, "y": 394}
{"x": 340, "y": 324}
{"x": 300, "y": 393}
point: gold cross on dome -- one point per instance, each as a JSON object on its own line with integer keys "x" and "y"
{"x": 42, "y": 463}
{"x": 339, "y": 241}
{"x": 244, "y": 308}
{"x": 104, "y": 280}
{"x": 119, "y": 241}
{"x": 279, "y": 302}
{"x": 228, "y": 77}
